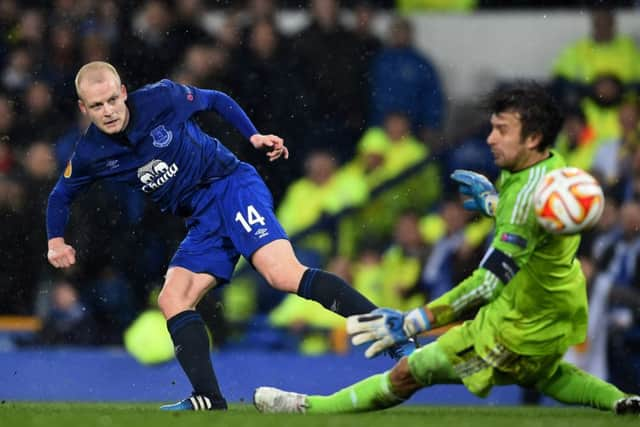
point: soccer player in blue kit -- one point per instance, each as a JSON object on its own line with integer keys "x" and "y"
{"x": 149, "y": 140}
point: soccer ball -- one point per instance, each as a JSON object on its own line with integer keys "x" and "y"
{"x": 568, "y": 201}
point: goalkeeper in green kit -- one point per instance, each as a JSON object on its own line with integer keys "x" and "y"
{"x": 529, "y": 293}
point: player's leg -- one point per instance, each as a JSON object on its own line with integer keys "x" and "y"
{"x": 255, "y": 231}
{"x": 425, "y": 367}
{"x": 571, "y": 385}
{"x": 180, "y": 294}
{"x": 277, "y": 263}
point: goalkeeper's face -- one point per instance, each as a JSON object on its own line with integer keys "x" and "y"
{"x": 103, "y": 101}
{"x": 510, "y": 150}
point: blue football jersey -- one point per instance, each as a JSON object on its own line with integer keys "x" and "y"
{"x": 162, "y": 152}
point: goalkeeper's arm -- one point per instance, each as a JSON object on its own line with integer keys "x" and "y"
{"x": 385, "y": 327}
{"x": 484, "y": 285}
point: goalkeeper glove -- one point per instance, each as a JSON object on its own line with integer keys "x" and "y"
{"x": 386, "y": 328}
{"x": 484, "y": 197}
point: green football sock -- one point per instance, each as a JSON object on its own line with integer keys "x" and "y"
{"x": 574, "y": 386}
{"x": 367, "y": 395}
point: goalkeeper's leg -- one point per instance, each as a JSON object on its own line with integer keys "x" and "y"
{"x": 390, "y": 388}
{"x": 376, "y": 392}
{"x": 573, "y": 386}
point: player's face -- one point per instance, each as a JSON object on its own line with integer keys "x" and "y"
{"x": 509, "y": 150}
{"x": 104, "y": 103}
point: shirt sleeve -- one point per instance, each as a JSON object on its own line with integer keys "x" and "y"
{"x": 512, "y": 245}
{"x": 473, "y": 292}
{"x": 69, "y": 185}
{"x": 190, "y": 99}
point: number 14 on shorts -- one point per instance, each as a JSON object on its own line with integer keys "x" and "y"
{"x": 253, "y": 217}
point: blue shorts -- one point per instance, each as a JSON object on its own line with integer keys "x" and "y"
{"x": 232, "y": 216}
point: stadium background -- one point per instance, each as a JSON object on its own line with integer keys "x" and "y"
{"x": 365, "y": 193}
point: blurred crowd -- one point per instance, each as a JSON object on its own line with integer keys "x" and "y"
{"x": 364, "y": 195}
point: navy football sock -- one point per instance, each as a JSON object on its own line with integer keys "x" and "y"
{"x": 333, "y": 293}
{"x": 191, "y": 344}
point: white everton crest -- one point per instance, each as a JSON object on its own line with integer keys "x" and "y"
{"x": 161, "y": 136}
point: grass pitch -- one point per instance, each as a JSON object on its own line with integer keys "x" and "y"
{"x": 21, "y": 414}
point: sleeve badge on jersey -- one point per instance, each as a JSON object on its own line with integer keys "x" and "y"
{"x": 68, "y": 170}
{"x": 514, "y": 239}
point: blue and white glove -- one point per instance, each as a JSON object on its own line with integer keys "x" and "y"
{"x": 386, "y": 328}
{"x": 484, "y": 197}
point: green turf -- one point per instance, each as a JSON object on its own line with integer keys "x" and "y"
{"x": 21, "y": 414}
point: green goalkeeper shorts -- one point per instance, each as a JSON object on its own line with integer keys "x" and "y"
{"x": 454, "y": 357}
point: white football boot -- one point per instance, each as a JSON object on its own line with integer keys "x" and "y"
{"x": 272, "y": 400}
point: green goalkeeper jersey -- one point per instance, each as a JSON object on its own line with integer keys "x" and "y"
{"x": 542, "y": 309}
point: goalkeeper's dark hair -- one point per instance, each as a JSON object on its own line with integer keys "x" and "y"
{"x": 539, "y": 112}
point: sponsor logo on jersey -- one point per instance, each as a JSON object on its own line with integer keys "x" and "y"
{"x": 161, "y": 136}
{"x": 68, "y": 170}
{"x": 155, "y": 174}
{"x": 514, "y": 239}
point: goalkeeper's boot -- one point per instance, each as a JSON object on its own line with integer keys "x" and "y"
{"x": 629, "y": 405}
{"x": 196, "y": 402}
{"x": 399, "y": 351}
{"x": 272, "y": 400}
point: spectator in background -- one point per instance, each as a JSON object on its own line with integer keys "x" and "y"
{"x": 188, "y": 28}
{"x": 621, "y": 261}
{"x": 229, "y": 36}
{"x": 39, "y": 173}
{"x": 401, "y": 149}
{"x": 110, "y": 299}
{"x": 367, "y": 272}
{"x": 577, "y": 142}
{"x": 395, "y": 166}
{"x": 628, "y": 188}
{"x": 603, "y": 52}
{"x": 602, "y": 104}
{"x": 107, "y": 22}
{"x": 151, "y": 51}
{"x": 449, "y": 260}
{"x": 17, "y": 294}
{"x": 272, "y": 93}
{"x": 325, "y": 53}
{"x": 402, "y": 263}
{"x": 324, "y": 190}
{"x": 6, "y": 158}
{"x": 369, "y": 44}
{"x": 256, "y": 11}
{"x": 8, "y": 19}
{"x": 7, "y": 122}
{"x": 32, "y": 32}
{"x": 613, "y": 158}
{"x": 404, "y": 80}
{"x": 19, "y": 70}
{"x": 39, "y": 118}
{"x": 62, "y": 62}
{"x": 207, "y": 65}
{"x": 95, "y": 47}
{"x": 69, "y": 12}
{"x": 68, "y": 321}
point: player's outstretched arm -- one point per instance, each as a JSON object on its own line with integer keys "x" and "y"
{"x": 272, "y": 144}
{"x": 385, "y": 328}
{"x": 484, "y": 197}
{"x": 61, "y": 255}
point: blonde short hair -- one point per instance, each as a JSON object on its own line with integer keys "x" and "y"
{"x": 93, "y": 70}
